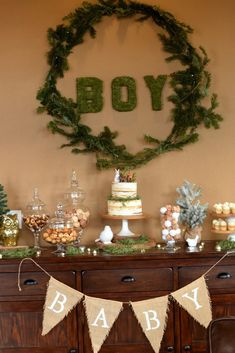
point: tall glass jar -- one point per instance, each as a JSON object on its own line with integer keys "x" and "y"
{"x": 36, "y": 217}
{"x": 75, "y": 208}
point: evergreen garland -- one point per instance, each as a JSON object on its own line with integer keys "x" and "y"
{"x": 190, "y": 85}
{"x": 226, "y": 244}
{"x": 17, "y": 253}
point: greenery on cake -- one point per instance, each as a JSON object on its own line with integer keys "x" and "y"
{"x": 121, "y": 199}
{"x": 192, "y": 212}
{"x": 126, "y": 176}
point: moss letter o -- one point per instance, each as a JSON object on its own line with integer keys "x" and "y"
{"x": 118, "y": 103}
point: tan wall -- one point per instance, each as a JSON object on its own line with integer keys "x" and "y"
{"x": 30, "y": 155}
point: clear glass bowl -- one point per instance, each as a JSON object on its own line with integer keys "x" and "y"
{"x": 60, "y": 230}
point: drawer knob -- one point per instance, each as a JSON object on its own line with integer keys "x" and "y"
{"x": 72, "y": 350}
{"x": 224, "y": 275}
{"x": 30, "y": 282}
{"x": 128, "y": 279}
{"x": 170, "y": 349}
{"x": 187, "y": 348}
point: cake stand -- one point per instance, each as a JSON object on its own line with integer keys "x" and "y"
{"x": 230, "y": 233}
{"x": 125, "y": 231}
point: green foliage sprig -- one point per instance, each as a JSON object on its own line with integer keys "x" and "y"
{"x": 190, "y": 85}
{"x": 126, "y": 246}
{"x": 192, "y": 212}
{"x": 73, "y": 250}
{"x": 226, "y": 244}
{"x": 122, "y": 199}
{"x": 3, "y": 202}
{"x": 18, "y": 253}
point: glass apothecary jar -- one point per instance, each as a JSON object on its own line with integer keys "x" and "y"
{"x": 75, "y": 208}
{"x": 60, "y": 230}
{"x": 36, "y": 217}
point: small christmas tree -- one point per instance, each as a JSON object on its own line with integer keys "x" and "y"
{"x": 192, "y": 212}
{"x": 3, "y": 202}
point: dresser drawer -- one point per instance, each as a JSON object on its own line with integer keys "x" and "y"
{"x": 32, "y": 283}
{"x": 220, "y": 277}
{"x": 137, "y": 280}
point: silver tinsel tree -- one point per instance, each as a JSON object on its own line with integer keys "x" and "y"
{"x": 192, "y": 212}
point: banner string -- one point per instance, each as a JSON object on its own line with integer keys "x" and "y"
{"x": 223, "y": 257}
{"x": 29, "y": 258}
{"x": 19, "y": 270}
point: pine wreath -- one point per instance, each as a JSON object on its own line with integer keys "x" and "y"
{"x": 189, "y": 85}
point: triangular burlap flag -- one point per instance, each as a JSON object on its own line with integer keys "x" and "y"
{"x": 195, "y": 299}
{"x": 60, "y": 300}
{"x": 101, "y": 314}
{"x": 152, "y": 316}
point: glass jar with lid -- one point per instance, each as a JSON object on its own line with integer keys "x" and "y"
{"x": 60, "y": 230}
{"x": 74, "y": 206}
{"x": 36, "y": 217}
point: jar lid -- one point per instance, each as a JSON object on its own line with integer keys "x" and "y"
{"x": 75, "y": 193}
{"x": 60, "y": 221}
{"x": 35, "y": 205}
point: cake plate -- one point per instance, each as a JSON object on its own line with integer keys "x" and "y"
{"x": 125, "y": 231}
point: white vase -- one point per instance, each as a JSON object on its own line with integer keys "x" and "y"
{"x": 193, "y": 236}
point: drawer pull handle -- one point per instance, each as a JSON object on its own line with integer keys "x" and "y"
{"x": 187, "y": 348}
{"x": 72, "y": 350}
{"x": 128, "y": 279}
{"x": 30, "y": 282}
{"x": 224, "y": 275}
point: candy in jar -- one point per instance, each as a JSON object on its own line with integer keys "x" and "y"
{"x": 74, "y": 206}
{"x": 60, "y": 230}
{"x": 169, "y": 216}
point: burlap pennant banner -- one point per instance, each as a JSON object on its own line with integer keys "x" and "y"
{"x": 152, "y": 316}
{"x": 101, "y": 315}
{"x": 60, "y": 300}
{"x": 195, "y": 299}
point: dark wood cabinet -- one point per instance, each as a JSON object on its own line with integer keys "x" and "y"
{"x": 21, "y": 315}
{"x": 123, "y": 278}
{"x": 221, "y": 284}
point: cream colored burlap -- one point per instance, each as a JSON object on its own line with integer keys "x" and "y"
{"x": 60, "y": 300}
{"x": 101, "y": 315}
{"x": 195, "y": 299}
{"x": 152, "y": 316}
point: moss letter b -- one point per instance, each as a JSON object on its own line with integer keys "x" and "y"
{"x": 89, "y": 95}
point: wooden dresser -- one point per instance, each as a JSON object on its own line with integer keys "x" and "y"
{"x": 122, "y": 278}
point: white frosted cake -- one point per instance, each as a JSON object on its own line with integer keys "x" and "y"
{"x": 124, "y": 200}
